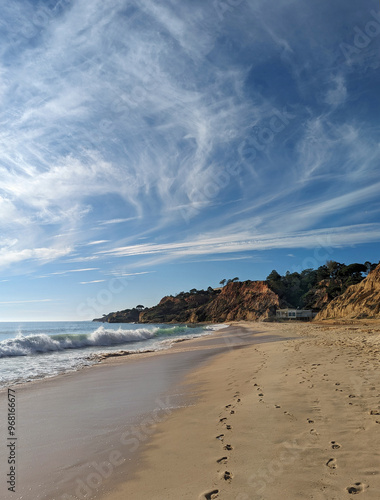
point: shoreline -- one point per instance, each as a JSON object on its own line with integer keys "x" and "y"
{"x": 210, "y": 417}
{"x": 91, "y": 421}
{"x": 101, "y": 358}
{"x": 292, "y": 419}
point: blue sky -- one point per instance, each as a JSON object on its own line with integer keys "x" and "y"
{"x": 149, "y": 147}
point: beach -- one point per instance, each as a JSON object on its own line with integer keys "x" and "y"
{"x": 254, "y": 411}
{"x": 289, "y": 419}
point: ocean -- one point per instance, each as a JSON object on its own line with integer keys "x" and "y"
{"x": 30, "y": 351}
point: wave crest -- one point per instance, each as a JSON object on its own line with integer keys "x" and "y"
{"x": 41, "y": 343}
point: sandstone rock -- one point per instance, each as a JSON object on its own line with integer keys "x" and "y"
{"x": 358, "y": 301}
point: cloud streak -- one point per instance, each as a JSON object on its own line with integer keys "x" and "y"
{"x": 200, "y": 134}
{"x": 243, "y": 242}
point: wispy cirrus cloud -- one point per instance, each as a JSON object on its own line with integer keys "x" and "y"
{"x": 75, "y": 271}
{"x": 246, "y": 241}
{"x": 91, "y": 282}
{"x": 198, "y": 132}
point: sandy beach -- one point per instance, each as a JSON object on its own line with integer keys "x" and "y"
{"x": 291, "y": 419}
{"x": 256, "y": 411}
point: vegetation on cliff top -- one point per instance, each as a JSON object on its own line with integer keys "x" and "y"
{"x": 305, "y": 289}
{"x": 309, "y": 289}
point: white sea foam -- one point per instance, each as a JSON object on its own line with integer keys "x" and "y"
{"x": 53, "y": 348}
{"x": 42, "y": 343}
{"x": 216, "y": 327}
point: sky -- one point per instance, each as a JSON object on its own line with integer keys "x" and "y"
{"x": 153, "y": 146}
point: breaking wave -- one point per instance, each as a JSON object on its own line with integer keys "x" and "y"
{"x": 42, "y": 343}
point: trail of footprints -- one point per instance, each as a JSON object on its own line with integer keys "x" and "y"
{"x": 225, "y": 475}
{"x": 331, "y": 463}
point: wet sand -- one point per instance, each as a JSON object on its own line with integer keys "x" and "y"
{"x": 80, "y": 434}
{"x": 253, "y": 412}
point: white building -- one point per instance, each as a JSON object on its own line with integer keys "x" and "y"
{"x": 295, "y": 313}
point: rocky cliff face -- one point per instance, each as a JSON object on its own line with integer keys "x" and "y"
{"x": 358, "y": 301}
{"x": 249, "y": 300}
{"x": 319, "y": 296}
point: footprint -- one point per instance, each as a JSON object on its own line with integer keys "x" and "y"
{"x": 228, "y": 447}
{"x": 223, "y": 459}
{"x": 310, "y": 421}
{"x": 211, "y": 494}
{"x": 228, "y": 427}
{"x": 277, "y": 406}
{"x": 227, "y": 476}
{"x": 357, "y": 488}
{"x": 232, "y": 412}
{"x": 331, "y": 463}
{"x": 221, "y": 436}
{"x": 375, "y": 412}
{"x": 261, "y": 394}
{"x": 335, "y": 445}
{"x": 223, "y": 419}
{"x": 228, "y": 406}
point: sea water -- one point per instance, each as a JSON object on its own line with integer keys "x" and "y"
{"x": 30, "y": 351}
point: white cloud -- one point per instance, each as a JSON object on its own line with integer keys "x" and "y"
{"x": 115, "y": 113}
{"x": 90, "y": 282}
{"x": 10, "y": 256}
{"x": 243, "y": 242}
{"x": 121, "y": 274}
{"x": 117, "y": 221}
{"x": 75, "y": 271}
{"x": 337, "y": 95}
{"x": 26, "y": 301}
{"x": 99, "y": 242}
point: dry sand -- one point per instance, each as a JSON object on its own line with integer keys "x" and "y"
{"x": 296, "y": 419}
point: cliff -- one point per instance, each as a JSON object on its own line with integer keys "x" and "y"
{"x": 322, "y": 294}
{"x": 358, "y": 301}
{"x": 179, "y": 309}
{"x": 126, "y": 316}
{"x": 249, "y": 300}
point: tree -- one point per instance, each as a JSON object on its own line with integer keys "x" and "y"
{"x": 223, "y": 282}
{"x": 140, "y": 307}
{"x": 333, "y": 268}
{"x": 234, "y": 279}
{"x": 274, "y": 276}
